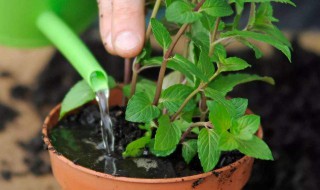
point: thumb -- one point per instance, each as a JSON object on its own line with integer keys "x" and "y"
{"x": 127, "y": 27}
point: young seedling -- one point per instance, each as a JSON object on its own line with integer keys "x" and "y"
{"x": 188, "y": 107}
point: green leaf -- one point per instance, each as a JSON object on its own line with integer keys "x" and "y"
{"x": 264, "y": 1}
{"x": 207, "y": 21}
{"x": 233, "y": 64}
{"x": 264, "y": 15}
{"x": 79, "y": 94}
{"x": 145, "y": 53}
{"x": 168, "y": 2}
{"x": 111, "y": 82}
{"x": 217, "y": 8}
{"x": 186, "y": 67}
{"x": 201, "y": 40}
{"x": 181, "y": 12}
{"x": 168, "y": 134}
{"x": 226, "y": 83}
{"x": 205, "y": 65}
{"x": 135, "y": 148}
{"x": 171, "y": 79}
{"x": 200, "y": 36}
{"x": 208, "y": 149}
{"x": 141, "y": 109}
{"x": 219, "y": 54}
{"x": 260, "y": 37}
{"x": 153, "y": 61}
{"x": 184, "y": 126}
{"x": 218, "y": 97}
{"x": 189, "y": 150}
{"x": 258, "y": 53}
{"x": 161, "y": 34}
{"x": 246, "y": 126}
{"x": 219, "y": 116}
{"x": 143, "y": 85}
{"x": 173, "y": 97}
{"x": 239, "y": 6}
{"x": 159, "y": 153}
{"x": 256, "y": 148}
{"x": 227, "y": 142}
{"x": 263, "y": 24}
{"x": 240, "y": 105}
{"x": 273, "y": 32}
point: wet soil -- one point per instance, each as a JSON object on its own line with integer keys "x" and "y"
{"x": 80, "y": 133}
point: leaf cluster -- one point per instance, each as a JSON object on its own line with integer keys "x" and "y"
{"x": 200, "y": 81}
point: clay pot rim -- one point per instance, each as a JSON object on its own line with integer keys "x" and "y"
{"x": 135, "y": 180}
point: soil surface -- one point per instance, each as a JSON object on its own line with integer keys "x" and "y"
{"x": 80, "y": 132}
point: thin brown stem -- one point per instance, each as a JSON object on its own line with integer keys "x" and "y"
{"x": 165, "y": 62}
{"x": 214, "y": 36}
{"x": 168, "y": 54}
{"x": 201, "y": 87}
{"x": 127, "y": 71}
{"x": 194, "y": 125}
{"x": 203, "y": 107}
{"x": 134, "y": 79}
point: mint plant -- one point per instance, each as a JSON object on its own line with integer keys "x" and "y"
{"x": 188, "y": 107}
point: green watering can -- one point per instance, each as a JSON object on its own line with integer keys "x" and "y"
{"x": 36, "y": 23}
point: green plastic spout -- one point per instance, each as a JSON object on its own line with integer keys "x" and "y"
{"x": 73, "y": 49}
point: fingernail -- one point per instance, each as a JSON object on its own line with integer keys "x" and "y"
{"x": 126, "y": 41}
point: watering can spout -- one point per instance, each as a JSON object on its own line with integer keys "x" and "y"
{"x": 54, "y": 28}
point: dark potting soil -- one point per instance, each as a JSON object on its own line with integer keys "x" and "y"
{"x": 78, "y": 137}
{"x": 7, "y": 114}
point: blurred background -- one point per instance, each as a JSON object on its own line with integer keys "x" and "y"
{"x": 289, "y": 111}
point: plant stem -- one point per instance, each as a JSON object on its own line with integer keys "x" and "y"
{"x": 221, "y": 40}
{"x": 251, "y": 16}
{"x": 193, "y": 125}
{"x": 214, "y": 36}
{"x": 134, "y": 79}
{"x": 127, "y": 71}
{"x": 203, "y": 107}
{"x": 136, "y": 66}
{"x": 195, "y": 92}
{"x": 165, "y": 62}
{"x": 168, "y": 54}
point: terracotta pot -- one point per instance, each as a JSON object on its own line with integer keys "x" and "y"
{"x": 74, "y": 177}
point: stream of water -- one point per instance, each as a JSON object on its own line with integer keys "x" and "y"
{"x": 108, "y": 138}
{"x": 102, "y": 98}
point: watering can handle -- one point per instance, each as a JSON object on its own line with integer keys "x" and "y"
{"x": 56, "y": 30}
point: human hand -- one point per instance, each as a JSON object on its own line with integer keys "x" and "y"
{"x": 122, "y": 26}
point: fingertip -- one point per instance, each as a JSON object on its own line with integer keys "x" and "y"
{"x": 128, "y": 44}
{"x": 128, "y": 27}
{"x": 107, "y": 43}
